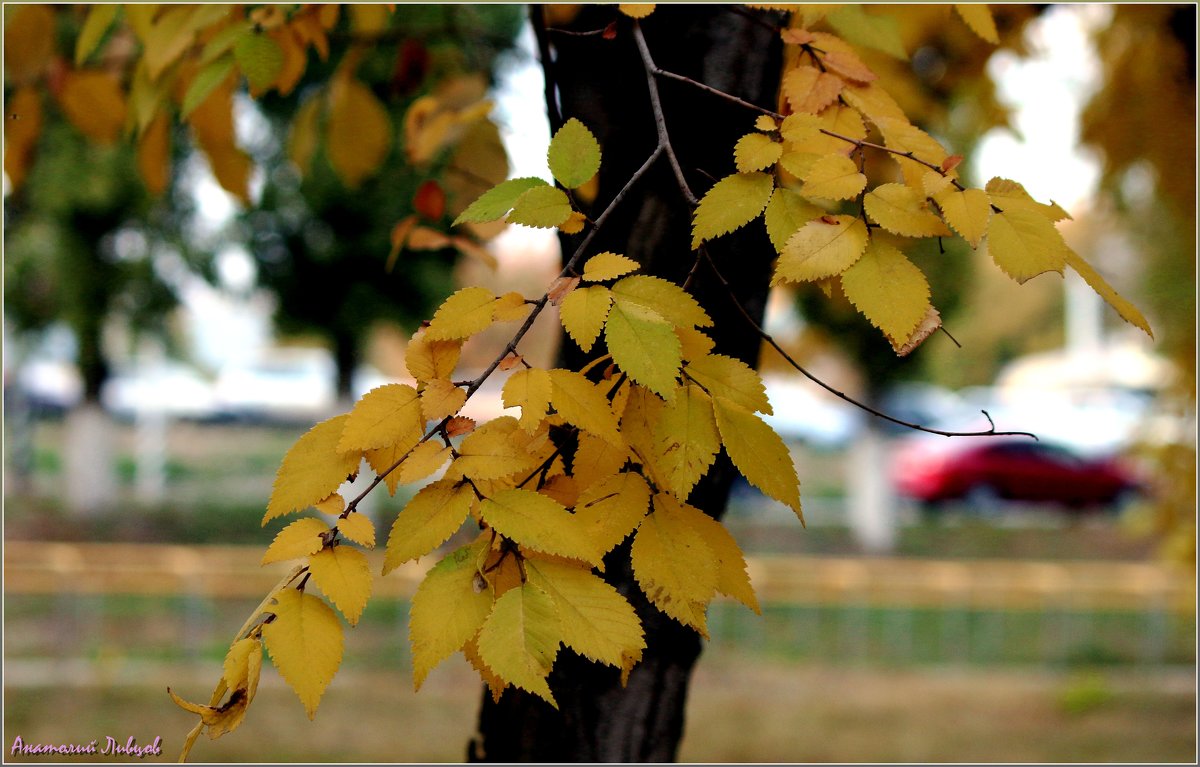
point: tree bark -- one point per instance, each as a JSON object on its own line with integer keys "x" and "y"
{"x": 603, "y": 84}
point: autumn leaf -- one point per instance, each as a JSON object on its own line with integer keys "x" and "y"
{"x": 758, "y": 453}
{"x": 594, "y": 619}
{"x": 260, "y": 58}
{"x": 441, "y": 398}
{"x": 786, "y": 212}
{"x": 644, "y": 345}
{"x": 730, "y": 204}
{"x": 429, "y": 358}
{"x": 359, "y": 528}
{"x": 673, "y": 565}
{"x": 358, "y": 131}
{"x": 342, "y": 573}
{"x": 610, "y": 510}
{"x": 607, "y": 266}
{"x": 821, "y": 248}
{"x": 871, "y": 30}
{"x": 1025, "y": 244}
{"x": 833, "y": 177}
{"x": 968, "y": 212}
{"x": 447, "y": 610}
{"x": 497, "y": 201}
{"x": 490, "y": 452}
{"x": 581, "y": 403}
{"x": 520, "y": 638}
{"x": 730, "y": 378}
{"x": 574, "y": 154}
{"x": 1127, "y": 310}
{"x": 538, "y": 522}
{"x": 542, "y": 207}
{"x": 386, "y": 415}
{"x": 583, "y": 313}
{"x": 312, "y": 469}
{"x": 732, "y": 578}
{"x": 299, "y": 539}
{"x": 463, "y": 314}
{"x": 686, "y": 441}
{"x": 95, "y": 104}
{"x": 755, "y": 151}
{"x": 666, "y": 299}
{"x": 809, "y": 90}
{"x": 898, "y": 208}
{"x": 531, "y": 390}
{"x": 434, "y": 514}
{"x": 305, "y": 644}
{"x": 99, "y": 19}
{"x": 888, "y": 289}
{"x": 979, "y": 18}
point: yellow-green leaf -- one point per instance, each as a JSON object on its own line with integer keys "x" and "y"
{"x": 612, "y": 509}
{"x": 99, "y": 19}
{"x": 607, "y": 266}
{"x": 1127, "y": 310}
{"x": 833, "y": 177}
{"x": 359, "y": 528}
{"x": 497, "y": 201}
{"x": 447, "y": 609}
{"x": 543, "y": 207}
{"x": 305, "y": 643}
{"x": 574, "y": 154}
{"x": 581, "y": 403}
{"x": 1025, "y": 244}
{"x": 888, "y": 289}
{"x": 531, "y": 390}
{"x": 260, "y": 58}
{"x": 823, "y": 247}
{"x": 594, "y": 619}
{"x": 205, "y": 82}
{"x": 386, "y": 415}
{"x": 686, "y": 440}
{"x": 538, "y": 522}
{"x": 666, "y": 299}
{"x": 299, "y": 539}
{"x": 583, "y": 313}
{"x": 312, "y": 469}
{"x": 872, "y": 30}
{"x": 673, "y": 565}
{"x": 732, "y": 379}
{"x": 463, "y": 314}
{"x": 755, "y": 151}
{"x": 644, "y": 346}
{"x": 519, "y": 640}
{"x": 898, "y": 208}
{"x": 786, "y": 213}
{"x": 343, "y": 575}
{"x": 967, "y": 212}
{"x": 979, "y": 18}
{"x": 434, "y": 514}
{"x": 758, "y": 453}
{"x": 730, "y": 204}
{"x": 359, "y": 131}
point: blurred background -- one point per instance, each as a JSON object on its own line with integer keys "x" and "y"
{"x": 950, "y": 600}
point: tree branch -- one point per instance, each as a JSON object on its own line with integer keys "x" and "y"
{"x": 660, "y": 121}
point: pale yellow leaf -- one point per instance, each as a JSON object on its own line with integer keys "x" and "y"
{"x": 312, "y": 469}
{"x": 936, "y": 183}
{"x": 611, "y": 509}
{"x": 463, "y": 314}
{"x": 904, "y": 137}
{"x": 899, "y": 208}
{"x": 531, "y": 390}
{"x": 1127, "y": 310}
{"x": 889, "y": 290}
{"x": 447, "y": 609}
{"x": 421, "y": 461}
{"x": 299, "y": 539}
{"x": 428, "y": 358}
{"x": 693, "y": 343}
{"x": 1025, "y": 244}
{"x": 305, "y": 643}
{"x": 686, "y": 440}
{"x": 582, "y": 403}
{"x": 512, "y": 307}
{"x": 574, "y": 154}
{"x": 666, "y": 299}
{"x": 342, "y": 573}
{"x": 787, "y": 212}
{"x": 673, "y": 565}
{"x": 538, "y": 522}
{"x": 755, "y": 151}
{"x": 441, "y": 398}
{"x": 979, "y": 18}
{"x": 833, "y": 177}
{"x": 730, "y": 204}
{"x": 583, "y": 313}
{"x": 607, "y": 266}
{"x": 594, "y": 619}
{"x": 496, "y": 686}
{"x": 823, "y": 247}
{"x": 758, "y": 453}
{"x": 967, "y": 212}
{"x": 873, "y": 101}
{"x": 644, "y": 346}
{"x": 732, "y": 379}
{"x": 639, "y": 421}
{"x": 359, "y": 528}
{"x": 732, "y": 578}
{"x": 333, "y": 505}
{"x": 1007, "y": 194}
{"x": 434, "y": 514}
{"x": 358, "y": 131}
{"x": 386, "y": 415}
{"x": 520, "y": 638}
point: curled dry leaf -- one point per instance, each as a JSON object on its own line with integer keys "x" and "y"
{"x": 560, "y": 288}
{"x": 458, "y": 425}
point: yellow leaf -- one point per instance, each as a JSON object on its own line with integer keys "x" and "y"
{"x": 333, "y": 505}
{"x": 979, "y": 18}
{"x": 386, "y": 415}
{"x": 95, "y": 104}
{"x": 447, "y": 609}
{"x": 1006, "y": 194}
{"x": 758, "y": 453}
{"x": 873, "y": 101}
{"x": 787, "y": 212}
{"x": 673, "y": 565}
{"x": 644, "y": 346}
{"x": 491, "y": 452}
{"x": 610, "y": 510}
{"x": 530, "y": 390}
{"x": 581, "y": 403}
{"x": 967, "y": 211}
{"x": 809, "y": 90}
{"x": 543, "y": 207}
{"x": 732, "y": 578}
{"x": 607, "y": 266}
{"x": 154, "y": 155}
{"x": 520, "y": 638}
{"x": 239, "y": 667}
{"x": 898, "y": 208}
{"x": 359, "y": 131}
{"x": 755, "y": 151}
{"x": 833, "y": 177}
{"x": 573, "y": 224}
{"x": 903, "y": 136}
{"x": 596, "y": 459}
{"x": 23, "y": 126}
{"x": 299, "y": 539}
{"x": 639, "y": 422}
{"x": 694, "y": 343}
{"x": 1128, "y": 311}
{"x": 765, "y": 123}
{"x": 495, "y": 684}
{"x": 312, "y": 469}
{"x": 594, "y": 619}
{"x": 730, "y": 378}
{"x": 368, "y": 19}
{"x": 99, "y": 19}
{"x": 1025, "y": 244}
{"x": 359, "y": 528}
{"x": 303, "y": 137}
{"x": 28, "y": 41}
{"x": 441, "y": 398}
{"x": 429, "y": 358}
{"x": 343, "y": 574}
{"x": 425, "y": 459}
{"x": 686, "y": 440}
{"x": 823, "y": 247}
{"x": 846, "y": 63}
{"x": 636, "y": 10}
{"x": 583, "y": 313}
{"x": 730, "y": 204}
{"x": 463, "y": 314}
{"x": 888, "y": 289}
{"x": 168, "y": 38}
{"x": 935, "y": 183}
{"x": 511, "y": 307}
{"x": 305, "y": 643}
{"x": 574, "y": 154}
{"x": 539, "y": 523}
{"x": 433, "y": 515}
{"x": 666, "y": 299}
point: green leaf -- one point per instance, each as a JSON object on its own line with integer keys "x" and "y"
{"x": 260, "y": 58}
{"x": 206, "y": 81}
{"x": 574, "y": 154}
{"x": 868, "y": 29}
{"x": 222, "y": 41}
{"x": 497, "y": 201}
{"x": 543, "y": 207}
{"x": 733, "y": 202}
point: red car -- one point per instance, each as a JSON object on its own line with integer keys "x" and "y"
{"x": 986, "y": 471}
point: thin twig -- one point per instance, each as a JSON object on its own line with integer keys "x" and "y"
{"x": 862, "y": 405}
{"x": 717, "y": 92}
{"x": 660, "y": 120}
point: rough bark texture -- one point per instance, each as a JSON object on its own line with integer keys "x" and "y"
{"x": 602, "y": 82}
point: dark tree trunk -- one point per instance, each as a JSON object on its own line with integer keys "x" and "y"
{"x": 602, "y": 83}
{"x": 345, "y": 356}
